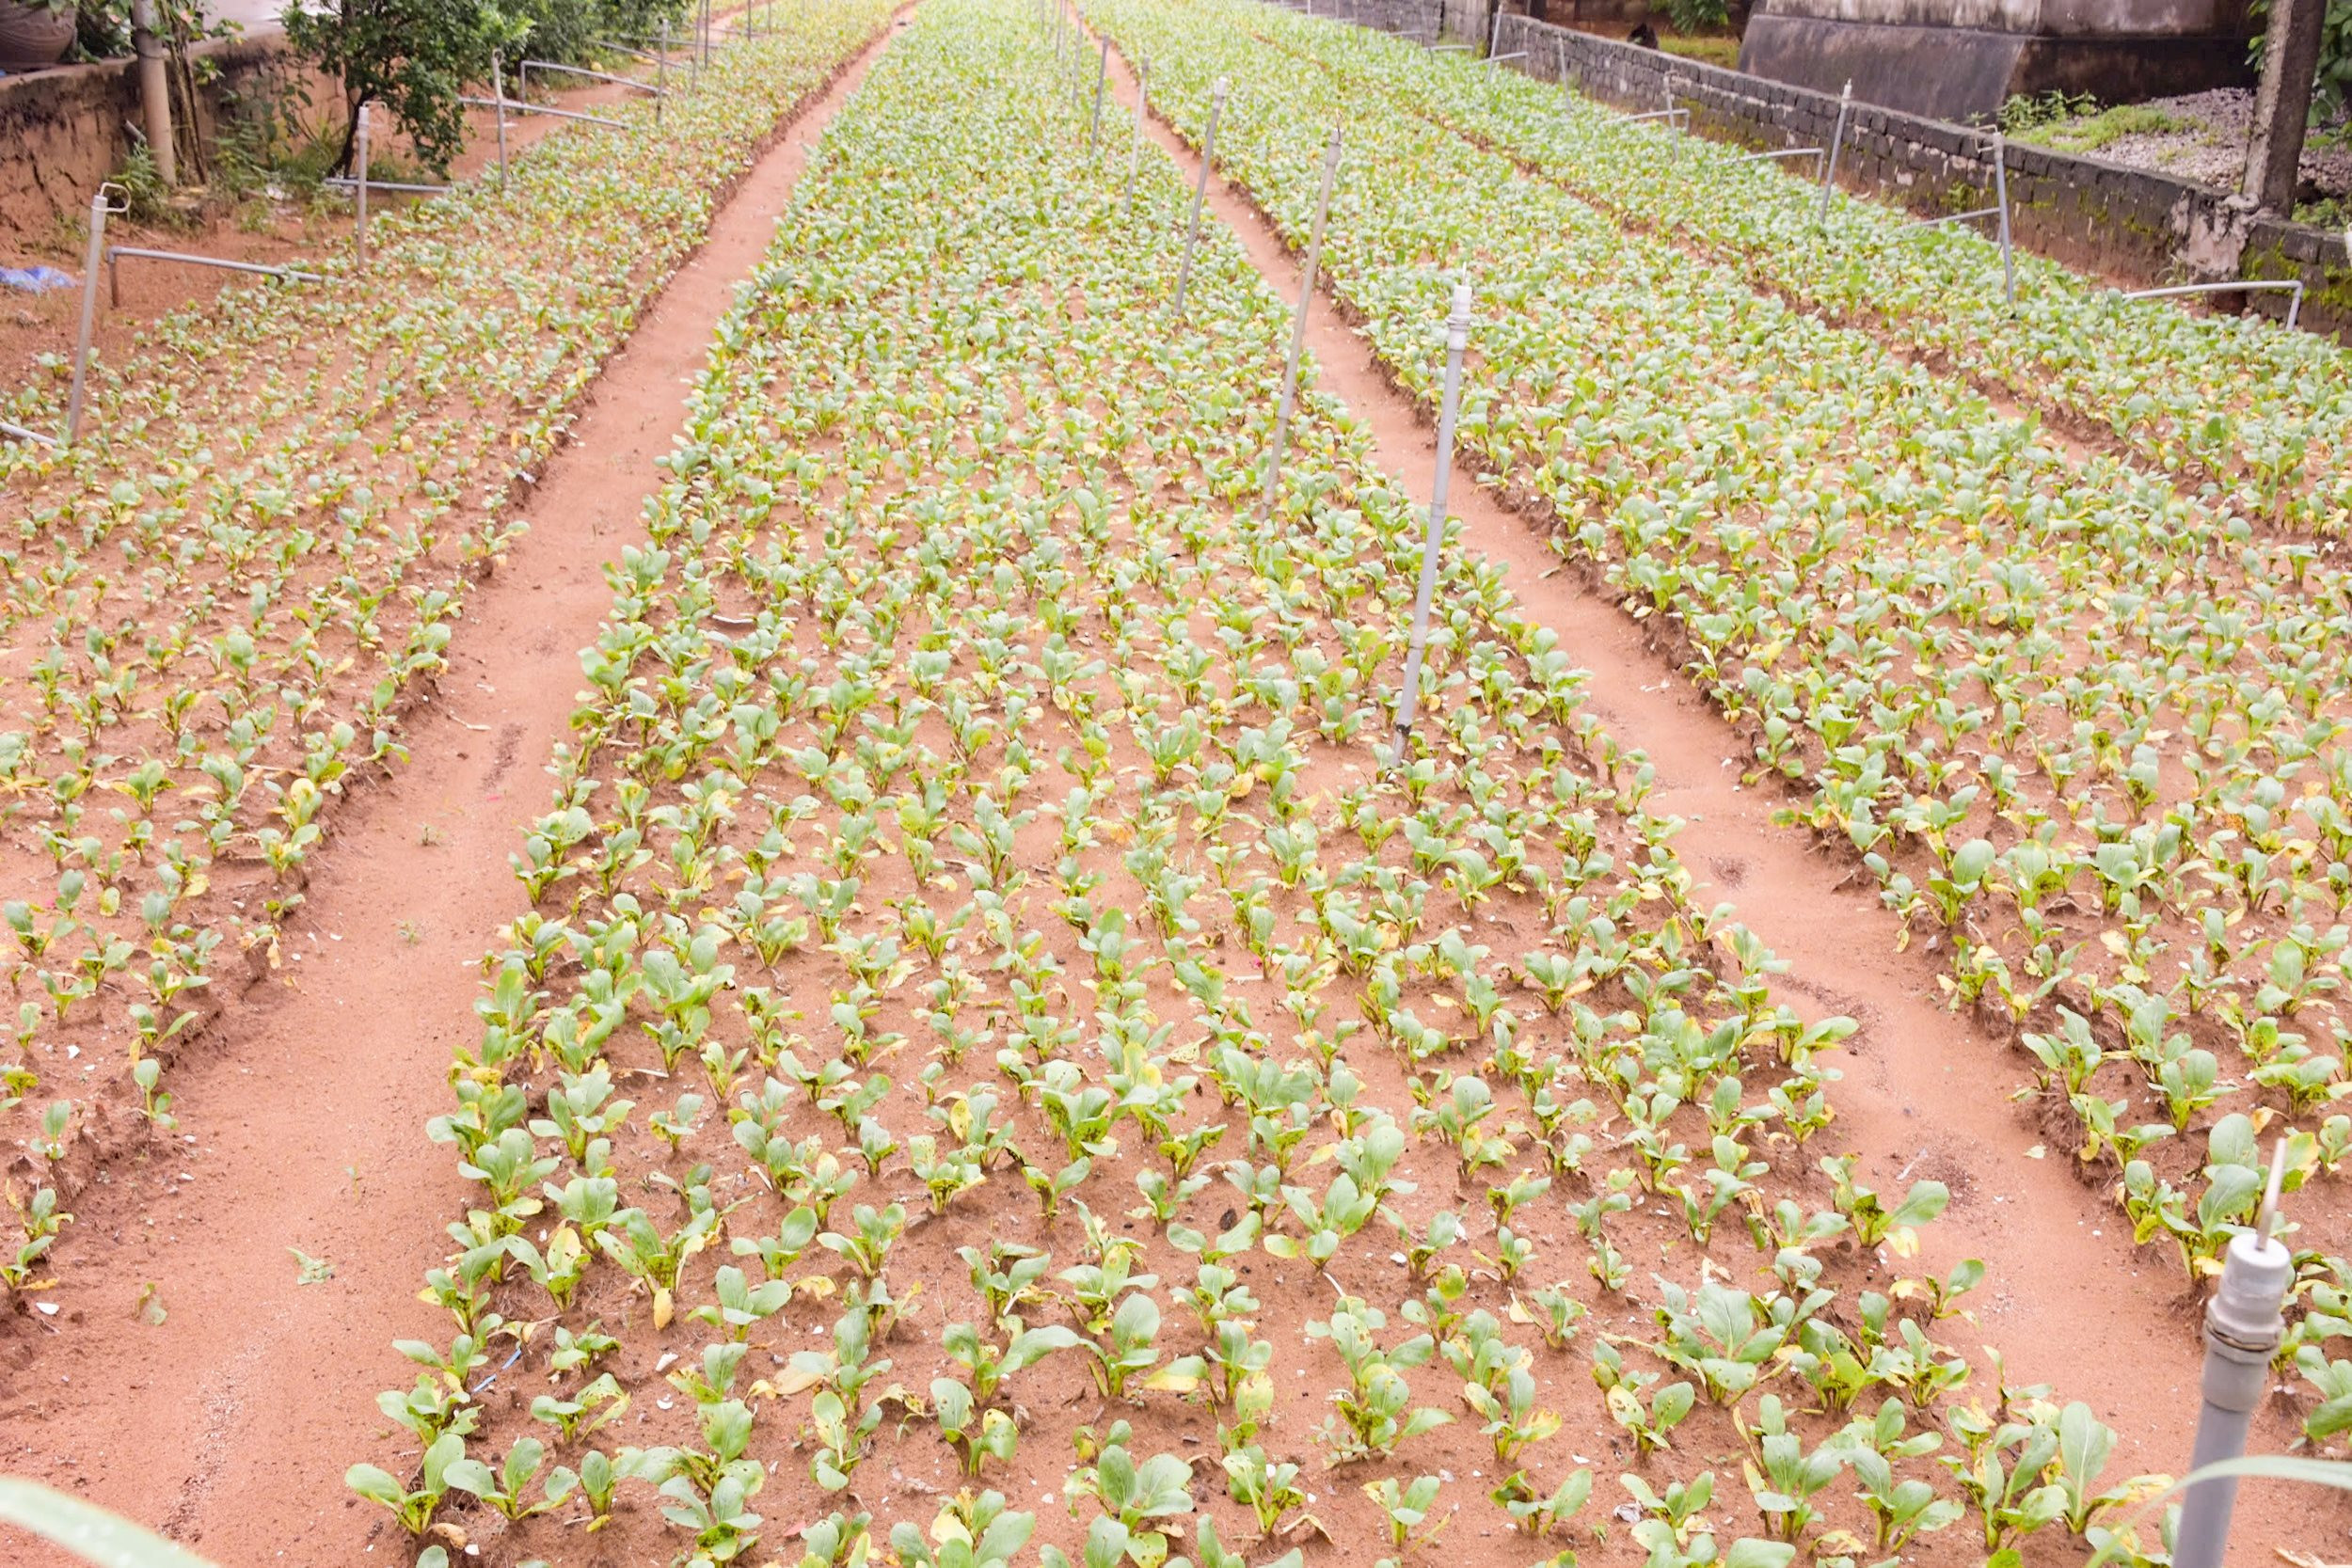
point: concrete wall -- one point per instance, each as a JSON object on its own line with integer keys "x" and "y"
{"x": 2135, "y": 228}
{"x": 64, "y": 130}
{"x": 2053, "y": 18}
{"x": 1949, "y": 72}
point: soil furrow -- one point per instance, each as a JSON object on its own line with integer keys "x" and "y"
{"x": 230, "y": 1421}
{"x": 1922, "y": 1092}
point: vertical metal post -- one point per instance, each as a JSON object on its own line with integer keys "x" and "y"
{"x": 1134, "y": 148}
{"x": 661, "y": 70}
{"x": 2000, "y": 192}
{"x": 1494, "y": 33}
{"x": 2243, "y": 1327}
{"x": 360, "y": 193}
{"x": 1298, "y": 327}
{"x": 90, "y": 315}
{"x": 498, "y": 94}
{"x": 1102, "y": 77}
{"x": 1456, "y": 340}
{"x": 1560, "y": 53}
{"x": 1829, "y": 165}
{"x": 1201, "y": 190}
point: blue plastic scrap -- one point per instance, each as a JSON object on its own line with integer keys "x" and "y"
{"x": 35, "y": 280}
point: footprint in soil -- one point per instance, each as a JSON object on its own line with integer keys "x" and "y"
{"x": 510, "y": 741}
{"x": 1730, "y": 870}
{"x": 1936, "y": 1164}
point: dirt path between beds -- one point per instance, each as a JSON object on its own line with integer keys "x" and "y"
{"x": 228, "y": 1424}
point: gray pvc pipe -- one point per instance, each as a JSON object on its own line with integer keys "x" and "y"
{"x": 2244, "y": 1324}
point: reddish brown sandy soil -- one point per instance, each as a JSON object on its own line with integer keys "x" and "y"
{"x": 229, "y": 1424}
{"x": 2068, "y": 1300}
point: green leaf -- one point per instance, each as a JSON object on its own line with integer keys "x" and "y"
{"x": 1748, "y": 1552}
{"x": 376, "y": 1485}
{"x": 95, "y": 1535}
{"x": 2083, "y": 1443}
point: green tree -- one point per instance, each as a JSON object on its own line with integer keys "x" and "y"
{"x": 413, "y": 57}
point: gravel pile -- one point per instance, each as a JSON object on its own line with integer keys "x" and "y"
{"x": 2210, "y": 146}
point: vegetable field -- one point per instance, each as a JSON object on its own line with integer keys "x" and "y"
{"x": 972, "y": 837}
{"x": 2083, "y": 728}
{"x": 218, "y": 608}
{"x": 986, "y": 1058}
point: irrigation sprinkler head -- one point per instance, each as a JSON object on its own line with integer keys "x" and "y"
{"x": 1223, "y": 86}
{"x": 2246, "y": 1313}
{"x": 110, "y": 197}
{"x": 1457, "y": 322}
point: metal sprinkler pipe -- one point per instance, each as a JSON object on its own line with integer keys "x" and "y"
{"x": 2000, "y": 190}
{"x": 359, "y": 194}
{"x": 1836, "y": 142}
{"x": 498, "y": 92}
{"x": 98, "y": 208}
{"x": 1298, "y": 325}
{"x": 1102, "y": 79}
{"x": 1199, "y": 192}
{"x": 1134, "y": 146}
{"x": 1456, "y": 341}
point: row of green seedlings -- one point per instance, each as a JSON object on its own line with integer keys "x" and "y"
{"x": 2134, "y": 864}
{"x": 2202, "y": 398}
{"x": 310, "y": 569}
{"x": 854, "y": 1100}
